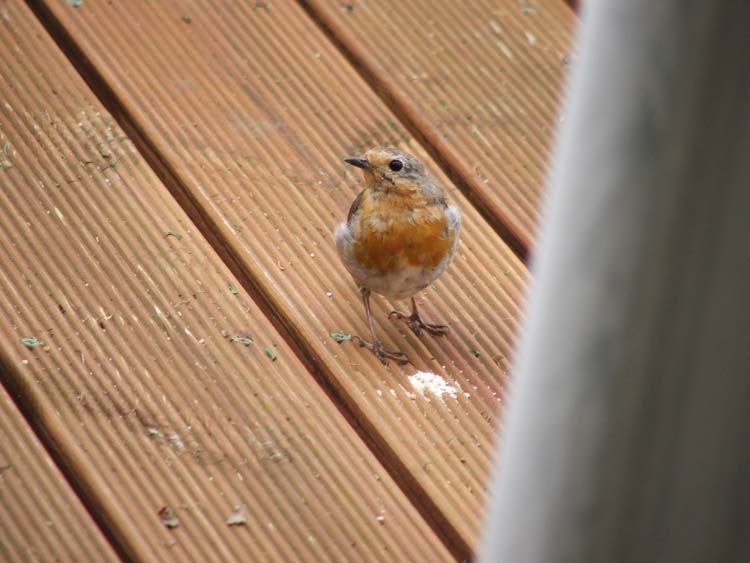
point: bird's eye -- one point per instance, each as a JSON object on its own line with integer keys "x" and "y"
{"x": 395, "y": 165}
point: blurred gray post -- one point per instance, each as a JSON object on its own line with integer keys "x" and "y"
{"x": 628, "y": 433}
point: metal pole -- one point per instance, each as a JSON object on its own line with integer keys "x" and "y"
{"x": 628, "y": 435}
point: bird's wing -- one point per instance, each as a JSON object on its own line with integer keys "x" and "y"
{"x": 454, "y": 219}
{"x": 355, "y": 206}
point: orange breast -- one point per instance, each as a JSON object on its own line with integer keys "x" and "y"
{"x": 392, "y": 235}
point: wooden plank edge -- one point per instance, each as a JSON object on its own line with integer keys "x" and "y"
{"x": 451, "y": 164}
{"x": 60, "y": 448}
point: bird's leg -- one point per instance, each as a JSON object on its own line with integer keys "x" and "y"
{"x": 375, "y": 345}
{"x": 416, "y": 323}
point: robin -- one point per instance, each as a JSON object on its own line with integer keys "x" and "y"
{"x": 399, "y": 236}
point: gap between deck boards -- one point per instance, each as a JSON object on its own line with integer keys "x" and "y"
{"x": 23, "y": 398}
{"x": 409, "y": 116}
{"x": 397, "y": 469}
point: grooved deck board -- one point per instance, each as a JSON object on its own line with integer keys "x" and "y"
{"x": 41, "y": 518}
{"x": 248, "y": 110}
{"x": 480, "y": 81}
{"x": 136, "y": 386}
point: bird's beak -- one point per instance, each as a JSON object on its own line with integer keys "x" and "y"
{"x": 359, "y": 162}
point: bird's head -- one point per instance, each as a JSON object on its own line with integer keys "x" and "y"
{"x": 390, "y": 169}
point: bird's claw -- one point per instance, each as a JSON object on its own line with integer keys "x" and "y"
{"x": 416, "y": 324}
{"x": 382, "y": 353}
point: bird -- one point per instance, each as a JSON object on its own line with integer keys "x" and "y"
{"x": 399, "y": 236}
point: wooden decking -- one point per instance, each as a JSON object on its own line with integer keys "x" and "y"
{"x": 170, "y": 176}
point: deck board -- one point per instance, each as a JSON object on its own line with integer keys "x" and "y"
{"x": 136, "y": 386}
{"x": 247, "y": 111}
{"x": 478, "y": 82}
{"x": 41, "y": 518}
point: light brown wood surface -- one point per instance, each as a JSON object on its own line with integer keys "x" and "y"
{"x": 173, "y": 173}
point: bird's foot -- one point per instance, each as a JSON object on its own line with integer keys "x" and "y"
{"x": 416, "y": 324}
{"x": 382, "y": 352}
